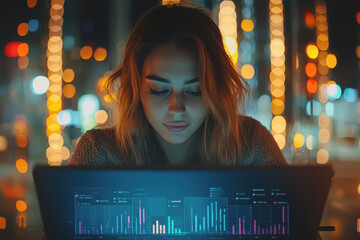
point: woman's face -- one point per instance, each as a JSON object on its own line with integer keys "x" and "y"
{"x": 170, "y": 93}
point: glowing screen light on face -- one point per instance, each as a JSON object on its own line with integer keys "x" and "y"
{"x": 40, "y": 85}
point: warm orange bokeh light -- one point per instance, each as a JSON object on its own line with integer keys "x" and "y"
{"x": 311, "y": 86}
{"x": 23, "y": 62}
{"x": 23, "y": 50}
{"x": 68, "y": 75}
{"x": 69, "y": 90}
{"x": 21, "y": 140}
{"x": 331, "y": 60}
{"x": 86, "y": 52}
{"x": 23, "y": 29}
{"x": 100, "y": 54}
{"x": 309, "y": 19}
{"x": 2, "y": 223}
{"x": 31, "y": 3}
{"x": 312, "y": 51}
{"x": 21, "y": 206}
{"x": 358, "y": 17}
{"x": 21, "y": 165}
{"x": 10, "y": 192}
{"x": 247, "y": 25}
{"x": 310, "y": 69}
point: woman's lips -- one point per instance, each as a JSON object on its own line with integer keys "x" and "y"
{"x": 176, "y": 126}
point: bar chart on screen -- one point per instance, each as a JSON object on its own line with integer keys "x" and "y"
{"x": 257, "y": 214}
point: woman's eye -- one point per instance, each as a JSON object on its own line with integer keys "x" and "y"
{"x": 159, "y": 93}
{"x": 193, "y": 93}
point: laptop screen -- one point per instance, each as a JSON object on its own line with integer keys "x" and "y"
{"x": 186, "y": 204}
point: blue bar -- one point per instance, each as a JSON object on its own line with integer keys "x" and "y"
{"x": 224, "y": 222}
{"x": 216, "y": 218}
{"x": 135, "y": 225}
{"x": 220, "y": 220}
{"x": 212, "y": 215}
{"x": 208, "y": 218}
{"x": 101, "y": 228}
{"x": 195, "y": 223}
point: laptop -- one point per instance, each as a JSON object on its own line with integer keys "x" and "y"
{"x": 182, "y": 203}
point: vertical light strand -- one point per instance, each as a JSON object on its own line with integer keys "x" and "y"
{"x": 277, "y": 74}
{"x": 247, "y": 44}
{"x": 228, "y": 28}
{"x": 54, "y": 153}
{"x": 324, "y": 120}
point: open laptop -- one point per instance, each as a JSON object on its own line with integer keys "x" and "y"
{"x": 182, "y": 203}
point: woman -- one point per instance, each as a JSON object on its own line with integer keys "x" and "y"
{"x": 178, "y": 96}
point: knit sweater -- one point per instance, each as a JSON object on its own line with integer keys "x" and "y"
{"x": 99, "y": 147}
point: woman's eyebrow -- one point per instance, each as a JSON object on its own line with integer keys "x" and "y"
{"x": 160, "y": 79}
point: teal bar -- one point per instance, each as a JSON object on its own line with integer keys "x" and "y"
{"x": 125, "y": 231}
{"x": 204, "y": 225}
{"x": 224, "y": 222}
{"x": 112, "y": 230}
{"x": 121, "y": 223}
{"x": 169, "y": 226}
{"x": 117, "y": 224}
{"x": 179, "y": 230}
{"x": 175, "y": 230}
{"x": 200, "y": 227}
{"x": 195, "y": 223}
{"x": 208, "y": 218}
{"x": 212, "y": 215}
{"x": 172, "y": 225}
{"x": 101, "y": 228}
{"x": 136, "y": 226}
{"x": 216, "y": 218}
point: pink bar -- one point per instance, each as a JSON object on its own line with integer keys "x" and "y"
{"x": 163, "y": 229}
{"x": 262, "y": 231}
{"x": 233, "y": 231}
{"x": 283, "y": 214}
{"x": 254, "y": 227}
{"x": 79, "y": 227}
{"x": 160, "y": 229}
{"x": 153, "y": 228}
{"x": 239, "y": 226}
{"x": 143, "y": 215}
{"x": 128, "y": 221}
{"x": 275, "y": 229}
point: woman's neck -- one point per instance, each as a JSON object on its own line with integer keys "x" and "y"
{"x": 179, "y": 154}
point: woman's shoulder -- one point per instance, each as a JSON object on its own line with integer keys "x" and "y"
{"x": 259, "y": 146}
{"x": 96, "y": 147}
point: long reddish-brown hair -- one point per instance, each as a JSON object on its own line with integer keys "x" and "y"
{"x": 222, "y": 88}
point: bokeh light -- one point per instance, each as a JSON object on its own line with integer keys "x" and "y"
{"x": 21, "y": 165}
{"x": 2, "y": 223}
{"x": 324, "y": 135}
{"x": 309, "y": 142}
{"x": 68, "y": 75}
{"x": 278, "y": 124}
{"x": 311, "y": 86}
{"x": 23, "y": 62}
{"x": 322, "y": 156}
{"x": 3, "y": 143}
{"x": 86, "y": 52}
{"x": 101, "y": 116}
{"x": 40, "y": 85}
{"x": 299, "y": 140}
{"x": 312, "y": 51}
{"x": 11, "y": 49}
{"x": 309, "y": 19}
{"x": 350, "y": 95}
{"x": 331, "y": 60}
{"x": 247, "y": 25}
{"x": 69, "y": 91}
{"x": 33, "y": 25}
{"x": 23, "y": 29}
{"x": 100, "y": 54}
{"x": 21, "y": 140}
{"x": 277, "y": 106}
{"x": 64, "y": 117}
{"x": 21, "y": 206}
{"x": 23, "y": 49}
{"x": 280, "y": 140}
{"x": 310, "y": 69}
{"x": 324, "y": 120}
{"x": 247, "y": 71}
{"x": 56, "y": 141}
{"x": 31, "y": 3}
{"x": 334, "y": 91}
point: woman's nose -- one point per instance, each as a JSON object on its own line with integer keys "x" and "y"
{"x": 176, "y": 104}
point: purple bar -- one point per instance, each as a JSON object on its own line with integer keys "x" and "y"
{"x": 283, "y": 214}
{"x": 262, "y": 231}
{"x": 243, "y": 222}
{"x": 233, "y": 230}
{"x": 254, "y": 227}
{"x": 239, "y": 226}
{"x": 128, "y": 221}
{"x": 143, "y": 215}
{"x": 140, "y": 215}
{"x": 274, "y": 229}
{"x": 270, "y": 230}
{"x": 79, "y": 227}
